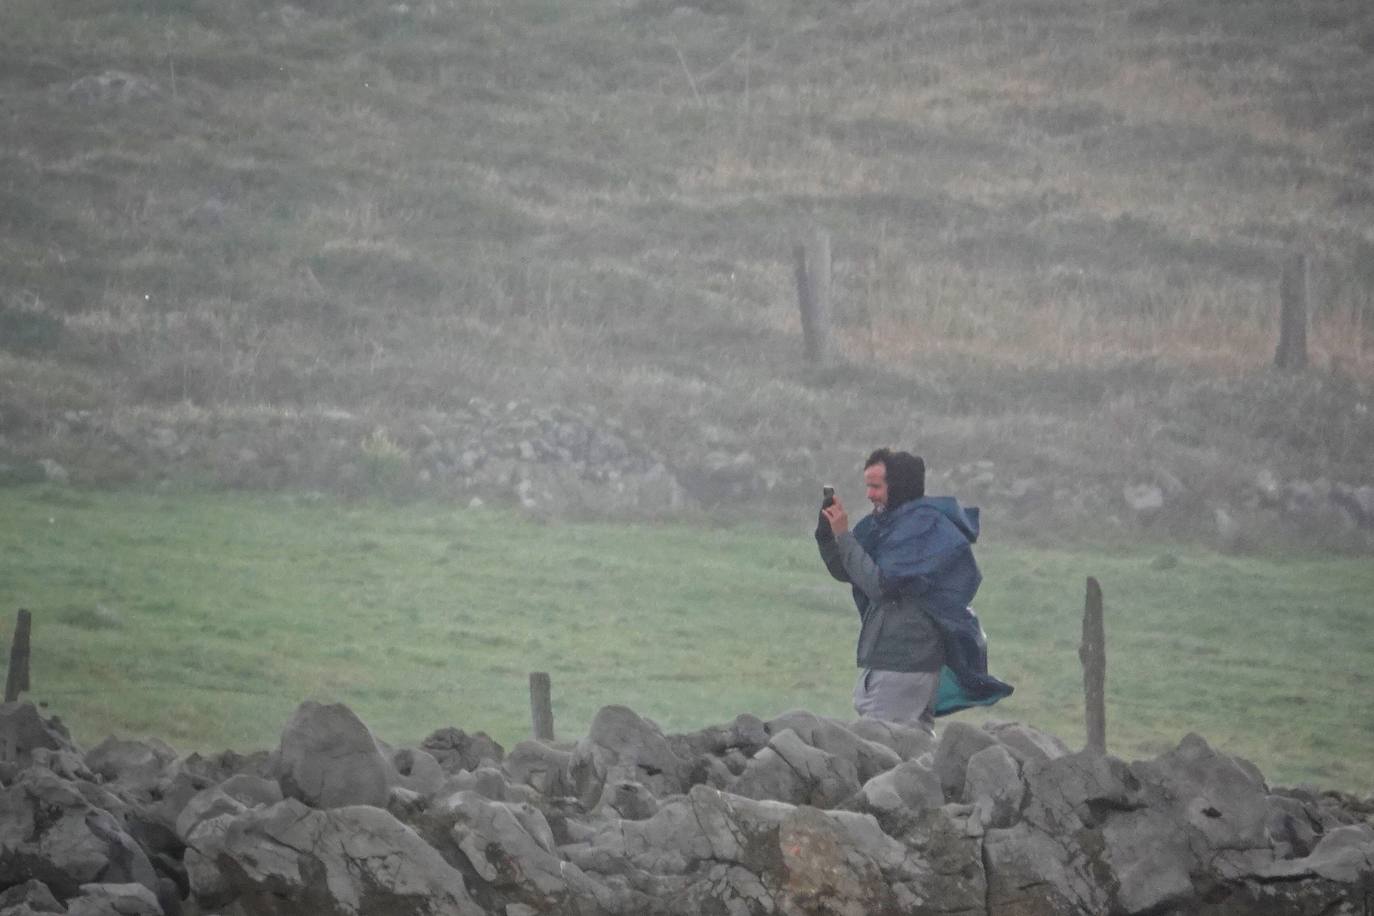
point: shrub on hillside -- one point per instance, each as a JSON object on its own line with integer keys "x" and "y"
{"x": 376, "y": 270}
{"x": 28, "y": 329}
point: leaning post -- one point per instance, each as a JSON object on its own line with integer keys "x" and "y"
{"x": 813, "y": 295}
{"x": 541, "y": 705}
{"x": 1093, "y": 654}
{"x": 17, "y": 677}
{"x": 1293, "y": 295}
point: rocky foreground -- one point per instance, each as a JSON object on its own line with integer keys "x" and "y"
{"x": 797, "y": 815}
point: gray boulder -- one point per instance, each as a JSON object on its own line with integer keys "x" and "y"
{"x": 747, "y": 734}
{"x": 350, "y": 861}
{"x": 541, "y": 767}
{"x": 329, "y": 759}
{"x": 205, "y": 805}
{"x": 23, "y": 730}
{"x": 717, "y": 888}
{"x": 406, "y": 805}
{"x": 908, "y": 743}
{"x": 790, "y": 770}
{"x": 712, "y": 771}
{"x": 1291, "y": 828}
{"x": 115, "y": 900}
{"x": 50, "y": 832}
{"x": 1344, "y": 855}
{"x": 489, "y": 783}
{"x": 252, "y": 791}
{"x": 216, "y": 768}
{"x": 718, "y": 852}
{"x": 1033, "y": 873}
{"x": 734, "y": 760}
{"x": 184, "y": 777}
{"x": 1078, "y": 790}
{"x": 836, "y": 862}
{"x": 1026, "y": 743}
{"x": 668, "y": 843}
{"x": 66, "y": 764}
{"x": 869, "y": 757}
{"x": 163, "y": 804}
{"x": 418, "y": 770}
{"x": 622, "y": 745}
{"x": 768, "y": 776}
{"x": 1051, "y": 861}
{"x": 627, "y": 800}
{"x": 909, "y": 786}
{"x": 511, "y": 848}
{"x": 944, "y": 870}
{"x": 992, "y": 784}
{"x": 139, "y": 763}
{"x": 812, "y": 861}
{"x": 456, "y": 750}
{"x": 685, "y": 833}
{"x": 211, "y": 887}
{"x": 496, "y": 785}
{"x": 1222, "y": 798}
{"x": 958, "y": 742}
{"x": 1151, "y": 860}
{"x": 32, "y": 896}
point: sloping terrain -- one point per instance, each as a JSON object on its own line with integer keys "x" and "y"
{"x": 1057, "y": 230}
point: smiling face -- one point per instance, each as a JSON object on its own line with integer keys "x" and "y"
{"x": 875, "y": 483}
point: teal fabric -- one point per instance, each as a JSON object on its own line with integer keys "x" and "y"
{"x": 924, "y": 548}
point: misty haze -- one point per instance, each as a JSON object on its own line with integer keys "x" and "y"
{"x": 360, "y": 359}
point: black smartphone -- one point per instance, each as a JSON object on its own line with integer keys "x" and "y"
{"x": 827, "y": 496}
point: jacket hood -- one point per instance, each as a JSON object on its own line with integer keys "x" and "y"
{"x": 964, "y": 518}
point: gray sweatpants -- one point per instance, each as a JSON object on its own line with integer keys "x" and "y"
{"x": 904, "y": 697}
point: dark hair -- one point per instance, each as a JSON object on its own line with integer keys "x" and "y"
{"x": 905, "y": 474}
{"x": 879, "y": 456}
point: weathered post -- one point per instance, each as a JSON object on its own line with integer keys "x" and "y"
{"x": 17, "y": 677}
{"x": 1093, "y": 654}
{"x": 541, "y": 705}
{"x": 813, "y": 296}
{"x": 1292, "y": 349}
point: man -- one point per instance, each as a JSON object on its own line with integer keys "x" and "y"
{"x": 913, "y": 574}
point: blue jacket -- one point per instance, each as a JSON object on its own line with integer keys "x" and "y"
{"x": 895, "y": 633}
{"x": 923, "y": 550}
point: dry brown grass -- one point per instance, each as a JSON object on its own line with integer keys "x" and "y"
{"x": 1052, "y": 336}
{"x": 598, "y": 201}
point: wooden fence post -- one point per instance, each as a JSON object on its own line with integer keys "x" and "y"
{"x": 17, "y": 677}
{"x": 1093, "y": 654}
{"x": 813, "y": 296}
{"x": 541, "y": 705}
{"x": 1292, "y": 349}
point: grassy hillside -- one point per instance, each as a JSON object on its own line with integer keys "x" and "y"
{"x": 1056, "y": 225}
{"x": 204, "y": 619}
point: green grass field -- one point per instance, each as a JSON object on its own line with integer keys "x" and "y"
{"x": 204, "y": 618}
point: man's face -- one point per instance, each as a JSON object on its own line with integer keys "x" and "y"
{"x": 875, "y": 482}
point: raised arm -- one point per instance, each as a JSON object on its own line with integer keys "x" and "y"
{"x": 830, "y": 551}
{"x": 859, "y": 567}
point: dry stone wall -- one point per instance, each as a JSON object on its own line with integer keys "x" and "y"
{"x": 517, "y": 452}
{"x": 795, "y": 815}
{"x": 562, "y": 460}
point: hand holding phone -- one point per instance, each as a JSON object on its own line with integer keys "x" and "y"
{"x": 832, "y": 512}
